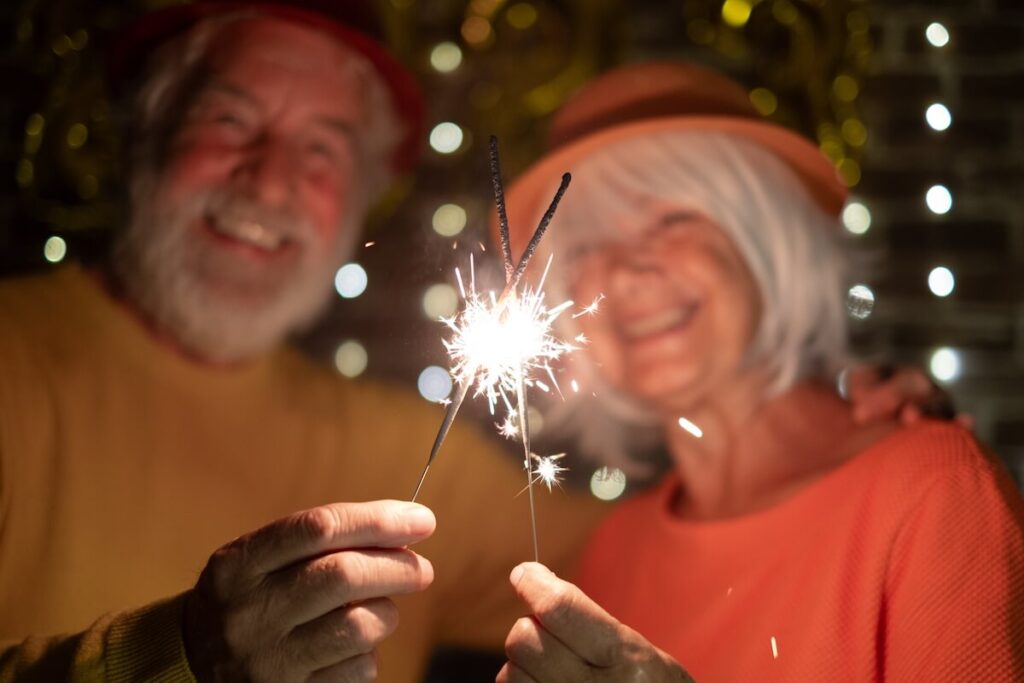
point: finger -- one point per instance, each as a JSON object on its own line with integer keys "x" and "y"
{"x": 965, "y": 420}
{"x": 885, "y": 400}
{"x": 510, "y": 673}
{"x": 342, "y": 634}
{"x": 568, "y": 614}
{"x": 355, "y": 670}
{"x": 377, "y": 524}
{"x": 862, "y": 378}
{"x": 303, "y": 592}
{"x": 531, "y": 648}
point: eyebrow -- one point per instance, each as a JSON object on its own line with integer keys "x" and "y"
{"x": 339, "y": 126}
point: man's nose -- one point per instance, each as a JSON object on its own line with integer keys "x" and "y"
{"x": 268, "y": 171}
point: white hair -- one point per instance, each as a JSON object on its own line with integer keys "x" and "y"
{"x": 251, "y": 310}
{"x": 793, "y": 248}
{"x": 178, "y": 66}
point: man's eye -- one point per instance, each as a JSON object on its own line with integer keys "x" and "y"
{"x": 228, "y": 119}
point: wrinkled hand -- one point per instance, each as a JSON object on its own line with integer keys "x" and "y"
{"x": 906, "y": 394}
{"x": 570, "y": 638}
{"x": 305, "y": 597}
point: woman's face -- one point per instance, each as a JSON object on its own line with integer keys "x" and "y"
{"x": 680, "y": 309}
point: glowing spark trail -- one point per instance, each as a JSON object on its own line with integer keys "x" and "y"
{"x": 499, "y": 344}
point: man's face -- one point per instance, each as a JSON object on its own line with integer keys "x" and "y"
{"x": 242, "y": 224}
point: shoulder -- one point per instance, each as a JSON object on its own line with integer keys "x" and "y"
{"x": 938, "y": 469}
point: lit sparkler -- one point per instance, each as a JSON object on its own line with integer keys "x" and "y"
{"x": 500, "y": 344}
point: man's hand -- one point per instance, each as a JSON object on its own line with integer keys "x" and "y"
{"x": 907, "y": 394}
{"x": 570, "y": 638}
{"x": 305, "y": 597}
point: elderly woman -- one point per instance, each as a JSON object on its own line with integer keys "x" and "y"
{"x": 788, "y": 542}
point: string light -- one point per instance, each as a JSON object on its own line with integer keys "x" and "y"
{"x": 860, "y": 301}
{"x": 55, "y": 249}
{"x": 856, "y": 218}
{"x": 945, "y": 364}
{"x": 434, "y": 384}
{"x": 938, "y": 117}
{"x": 350, "y": 280}
{"x": 449, "y": 220}
{"x": 939, "y": 199}
{"x": 608, "y": 483}
{"x": 446, "y": 57}
{"x": 941, "y": 281}
{"x": 446, "y": 137}
{"x": 937, "y": 34}
{"x": 350, "y": 358}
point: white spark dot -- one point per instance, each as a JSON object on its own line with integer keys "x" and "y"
{"x": 775, "y": 649}
{"x": 690, "y": 427}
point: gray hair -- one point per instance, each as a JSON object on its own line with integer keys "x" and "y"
{"x": 175, "y": 68}
{"x": 793, "y": 248}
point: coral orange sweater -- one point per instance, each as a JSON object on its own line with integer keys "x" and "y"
{"x": 906, "y": 563}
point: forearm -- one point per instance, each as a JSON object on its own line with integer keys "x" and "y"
{"x": 143, "y": 644}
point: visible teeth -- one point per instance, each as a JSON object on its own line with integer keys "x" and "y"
{"x": 250, "y": 232}
{"x": 659, "y": 322}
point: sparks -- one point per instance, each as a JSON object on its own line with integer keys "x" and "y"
{"x": 369, "y": 244}
{"x": 775, "y": 649}
{"x": 690, "y": 427}
{"x": 508, "y": 428}
{"x": 495, "y": 343}
{"x": 592, "y": 308}
{"x": 547, "y": 469}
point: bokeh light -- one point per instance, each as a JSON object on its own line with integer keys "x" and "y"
{"x": 937, "y": 34}
{"x": 55, "y": 249}
{"x": 860, "y": 301}
{"x": 938, "y": 116}
{"x": 440, "y": 301}
{"x": 350, "y": 280}
{"x": 350, "y": 358}
{"x": 736, "y": 12}
{"x": 945, "y": 364}
{"x": 446, "y": 137}
{"x": 941, "y": 281}
{"x": 856, "y": 218}
{"x": 449, "y": 220}
{"x": 521, "y": 15}
{"x": 446, "y": 57}
{"x": 434, "y": 383}
{"x": 608, "y": 483}
{"x": 939, "y": 199}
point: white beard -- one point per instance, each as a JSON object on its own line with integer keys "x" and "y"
{"x": 213, "y": 303}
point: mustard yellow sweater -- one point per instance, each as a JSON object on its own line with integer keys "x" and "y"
{"x": 123, "y": 465}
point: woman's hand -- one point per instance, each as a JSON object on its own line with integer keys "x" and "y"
{"x": 568, "y": 637}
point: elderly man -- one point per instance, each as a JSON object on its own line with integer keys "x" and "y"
{"x": 149, "y": 411}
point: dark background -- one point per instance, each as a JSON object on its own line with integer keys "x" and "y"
{"x": 855, "y": 76}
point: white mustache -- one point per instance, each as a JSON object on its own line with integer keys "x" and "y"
{"x": 249, "y": 220}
